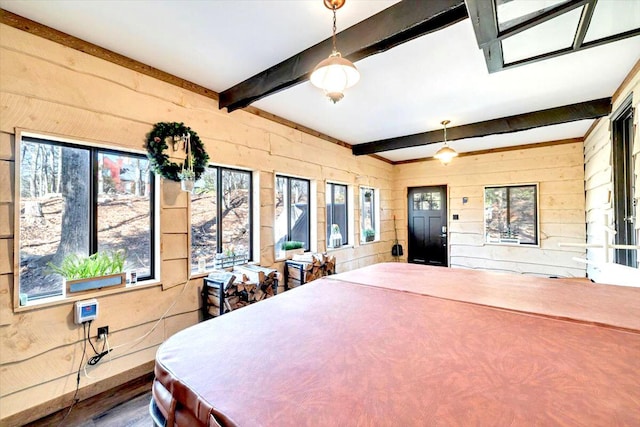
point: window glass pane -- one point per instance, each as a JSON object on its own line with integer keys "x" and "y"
{"x": 550, "y": 36}
{"x": 612, "y": 17}
{"x": 337, "y": 231}
{"x": 367, "y": 214}
{"x": 329, "y": 208}
{"x": 513, "y": 12}
{"x": 495, "y": 213}
{"x": 54, "y": 213}
{"x": 281, "y": 225}
{"x": 236, "y": 212}
{"x": 427, "y": 201}
{"x": 522, "y": 214}
{"x": 299, "y": 217}
{"x": 204, "y": 220}
{"x": 124, "y": 209}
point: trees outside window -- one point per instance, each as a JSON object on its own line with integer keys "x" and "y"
{"x": 292, "y": 221}
{"x": 79, "y": 200}
{"x": 337, "y": 214}
{"x": 226, "y": 194}
{"x": 511, "y": 214}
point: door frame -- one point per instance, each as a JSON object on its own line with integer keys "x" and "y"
{"x": 446, "y": 214}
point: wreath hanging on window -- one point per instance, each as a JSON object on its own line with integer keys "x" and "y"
{"x": 178, "y": 136}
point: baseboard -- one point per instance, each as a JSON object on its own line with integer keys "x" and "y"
{"x": 94, "y": 400}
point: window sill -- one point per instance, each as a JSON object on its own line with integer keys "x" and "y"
{"x": 512, "y": 244}
{"x": 61, "y": 300}
{"x": 364, "y": 242}
{"x": 341, "y": 248}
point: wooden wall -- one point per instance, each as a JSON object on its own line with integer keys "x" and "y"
{"x": 598, "y": 159}
{"x": 51, "y": 89}
{"x": 559, "y": 171}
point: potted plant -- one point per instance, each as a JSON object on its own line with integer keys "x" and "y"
{"x": 292, "y": 247}
{"x": 97, "y": 271}
{"x": 187, "y": 176}
{"x": 367, "y": 195}
{"x": 369, "y": 235}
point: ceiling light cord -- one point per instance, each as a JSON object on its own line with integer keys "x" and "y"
{"x": 333, "y": 38}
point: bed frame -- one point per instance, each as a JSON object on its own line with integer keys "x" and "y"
{"x": 404, "y": 344}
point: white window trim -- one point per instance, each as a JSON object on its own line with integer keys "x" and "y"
{"x": 64, "y": 298}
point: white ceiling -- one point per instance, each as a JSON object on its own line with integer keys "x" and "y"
{"x": 408, "y": 89}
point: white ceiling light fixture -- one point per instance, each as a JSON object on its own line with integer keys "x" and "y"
{"x": 334, "y": 74}
{"x": 446, "y": 153}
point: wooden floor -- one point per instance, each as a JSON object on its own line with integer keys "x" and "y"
{"x": 134, "y": 413}
{"x": 124, "y": 406}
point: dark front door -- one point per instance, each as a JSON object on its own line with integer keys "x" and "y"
{"x": 428, "y": 225}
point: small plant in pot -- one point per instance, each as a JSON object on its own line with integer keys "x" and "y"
{"x": 93, "y": 272}
{"x": 292, "y": 247}
{"x": 187, "y": 179}
{"x": 367, "y": 195}
{"x": 369, "y": 235}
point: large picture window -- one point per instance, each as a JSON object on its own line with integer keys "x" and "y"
{"x": 337, "y": 215}
{"x": 511, "y": 214}
{"x": 221, "y": 217}
{"x": 292, "y": 223}
{"x": 80, "y": 200}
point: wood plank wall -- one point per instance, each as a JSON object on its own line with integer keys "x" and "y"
{"x": 598, "y": 158}
{"x": 559, "y": 171}
{"x": 51, "y": 89}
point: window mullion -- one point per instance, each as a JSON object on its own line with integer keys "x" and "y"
{"x": 93, "y": 201}
{"x": 219, "y": 209}
{"x": 288, "y": 209}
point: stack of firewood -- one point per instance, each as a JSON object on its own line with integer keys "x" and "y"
{"x": 250, "y": 283}
{"x": 307, "y": 267}
{"x": 264, "y": 279}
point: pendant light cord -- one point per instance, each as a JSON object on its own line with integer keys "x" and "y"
{"x": 334, "y": 30}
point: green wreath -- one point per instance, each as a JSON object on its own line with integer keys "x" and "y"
{"x": 157, "y": 144}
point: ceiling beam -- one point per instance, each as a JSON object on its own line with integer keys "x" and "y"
{"x": 400, "y": 23}
{"x": 552, "y": 116}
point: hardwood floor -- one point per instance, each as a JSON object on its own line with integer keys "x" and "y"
{"x": 123, "y": 406}
{"x": 134, "y": 413}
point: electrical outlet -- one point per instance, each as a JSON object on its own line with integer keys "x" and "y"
{"x": 103, "y": 332}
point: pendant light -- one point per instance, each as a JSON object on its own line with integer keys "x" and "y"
{"x": 446, "y": 153}
{"x": 334, "y": 74}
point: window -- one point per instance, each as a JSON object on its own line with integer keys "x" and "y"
{"x": 221, "y": 218}
{"x": 80, "y": 200}
{"x": 368, "y": 217}
{"x": 337, "y": 215}
{"x": 623, "y": 176}
{"x": 292, "y": 222}
{"x": 511, "y": 214}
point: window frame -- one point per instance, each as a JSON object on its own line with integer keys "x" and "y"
{"x": 94, "y": 149}
{"x": 536, "y": 221}
{"x": 193, "y": 264}
{"x": 288, "y": 210}
{"x": 346, "y": 236}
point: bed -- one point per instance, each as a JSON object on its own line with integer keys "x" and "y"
{"x": 396, "y": 344}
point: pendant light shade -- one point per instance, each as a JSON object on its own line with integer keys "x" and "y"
{"x": 446, "y": 153}
{"x": 334, "y": 74}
